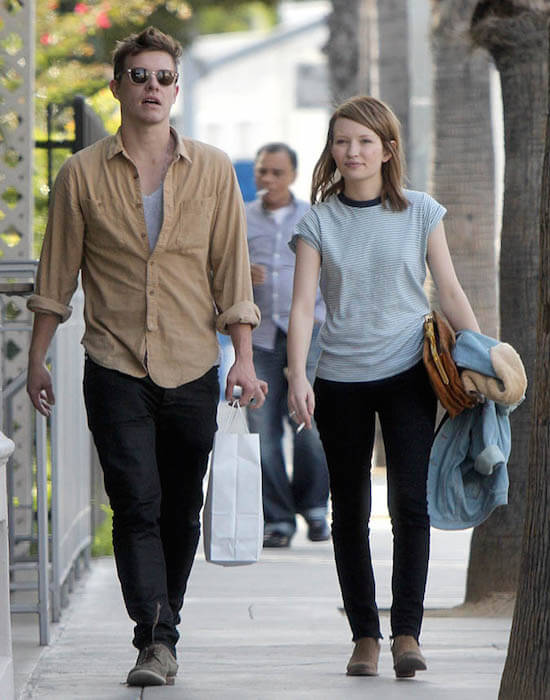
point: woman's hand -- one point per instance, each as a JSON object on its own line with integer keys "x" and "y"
{"x": 301, "y": 401}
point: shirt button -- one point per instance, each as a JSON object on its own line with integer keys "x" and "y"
{"x": 275, "y": 317}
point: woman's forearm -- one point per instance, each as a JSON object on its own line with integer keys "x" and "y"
{"x": 299, "y": 337}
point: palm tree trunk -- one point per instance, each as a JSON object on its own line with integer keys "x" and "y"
{"x": 463, "y": 171}
{"x": 393, "y": 60}
{"x": 516, "y": 37}
{"x": 527, "y": 671}
{"x": 342, "y": 49}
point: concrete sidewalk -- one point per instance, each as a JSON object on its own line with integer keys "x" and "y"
{"x": 271, "y": 630}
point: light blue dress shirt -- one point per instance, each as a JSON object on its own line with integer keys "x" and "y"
{"x": 268, "y": 246}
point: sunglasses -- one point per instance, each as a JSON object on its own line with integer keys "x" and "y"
{"x": 139, "y": 76}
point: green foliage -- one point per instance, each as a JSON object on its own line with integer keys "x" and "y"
{"x": 75, "y": 39}
{"x": 102, "y": 545}
{"x": 244, "y": 16}
{"x": 63, "y": 129}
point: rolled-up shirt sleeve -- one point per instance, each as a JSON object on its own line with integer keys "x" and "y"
{"x": 43, "y": 305}
{"x": 231, "y": 281}
{"x": 243, "y": 312}
{"x": 61, "y": 256}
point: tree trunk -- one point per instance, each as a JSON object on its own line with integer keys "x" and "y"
{"x": 463, "y": 171}
{"x": 367, "y": 52}
{"x": 342, "y": 49}
{"x": 516, "y": 37}
{"x": 393, "y": 60}
{"x": 527, "y": 671}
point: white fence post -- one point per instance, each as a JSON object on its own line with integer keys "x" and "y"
{"x": 6, "y": 661}
{"x": 70, "y": 456}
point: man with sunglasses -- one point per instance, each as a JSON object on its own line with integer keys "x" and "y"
{"x": 155, "y": 225}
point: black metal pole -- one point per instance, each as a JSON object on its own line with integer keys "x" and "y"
{"x": 49, "y": 113}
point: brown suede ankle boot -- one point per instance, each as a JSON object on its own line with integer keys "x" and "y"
{"x": 364, "y": 660}
{"x": 407, "y": 657}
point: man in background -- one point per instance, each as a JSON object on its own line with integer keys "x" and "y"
{"x": 271, "y": 219}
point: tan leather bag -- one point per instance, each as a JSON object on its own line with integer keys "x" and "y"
{"x": 439, "y": 340}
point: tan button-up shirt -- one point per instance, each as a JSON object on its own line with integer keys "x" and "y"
{"x": 148, "y": 312}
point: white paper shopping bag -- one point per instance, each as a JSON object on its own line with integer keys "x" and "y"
{"x": 233, "y": 519}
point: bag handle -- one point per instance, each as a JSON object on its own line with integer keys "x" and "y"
{"x": 233, "y": 419}
{"x": 429, "y": 330}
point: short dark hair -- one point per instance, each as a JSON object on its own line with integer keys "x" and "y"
{"x": 275, "y": 147}
{"x": 150, "y": 39}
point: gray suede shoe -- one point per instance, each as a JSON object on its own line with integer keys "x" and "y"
{"x": 407, "y": 657}
{"x": 364, "y": 660}
{"x": 155, "y": 665}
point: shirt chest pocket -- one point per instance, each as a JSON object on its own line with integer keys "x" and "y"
{"x": 261, "y": 249}
{"x": 105, "y": 224}
{"x": 193, "y": 223}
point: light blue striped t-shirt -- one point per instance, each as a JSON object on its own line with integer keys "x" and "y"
{"x": 373, "y": 269}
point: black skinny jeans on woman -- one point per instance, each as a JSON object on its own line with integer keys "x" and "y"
{"x": 345, "y": 415}
{"x": 153, "y": 445}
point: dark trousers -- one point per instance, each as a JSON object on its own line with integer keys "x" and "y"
{"x": 153, "y": 445}
{"x": 345, "y": 414}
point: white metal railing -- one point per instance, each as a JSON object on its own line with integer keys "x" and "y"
{"x": 71, "y": 454}
{"x": 6, "y": 657}
{"x": 63, "y": 526}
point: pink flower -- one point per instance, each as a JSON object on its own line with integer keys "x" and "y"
{"x": 81, "y": 8}
{"x": 45, "y": 39}
{"x": 103, "y": 21}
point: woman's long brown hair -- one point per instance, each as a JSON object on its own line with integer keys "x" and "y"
{"x": 378, "y": 117}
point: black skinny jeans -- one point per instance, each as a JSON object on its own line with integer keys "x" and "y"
{"x": 153, "y": 445}
{"x": 345, "y": 415}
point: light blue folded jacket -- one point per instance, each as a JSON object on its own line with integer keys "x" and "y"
{"x": 467, "y": 475}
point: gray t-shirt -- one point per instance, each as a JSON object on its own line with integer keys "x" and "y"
{"x": 153, "y": 210}
{"x": 373, "y": 269}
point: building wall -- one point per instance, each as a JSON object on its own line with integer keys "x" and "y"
{"x": 277, "y": 90}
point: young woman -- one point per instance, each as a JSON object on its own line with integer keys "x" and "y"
{"x": 370, "y": 240}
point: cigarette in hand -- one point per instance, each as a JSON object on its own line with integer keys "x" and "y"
{"x": 301, "y": 426}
